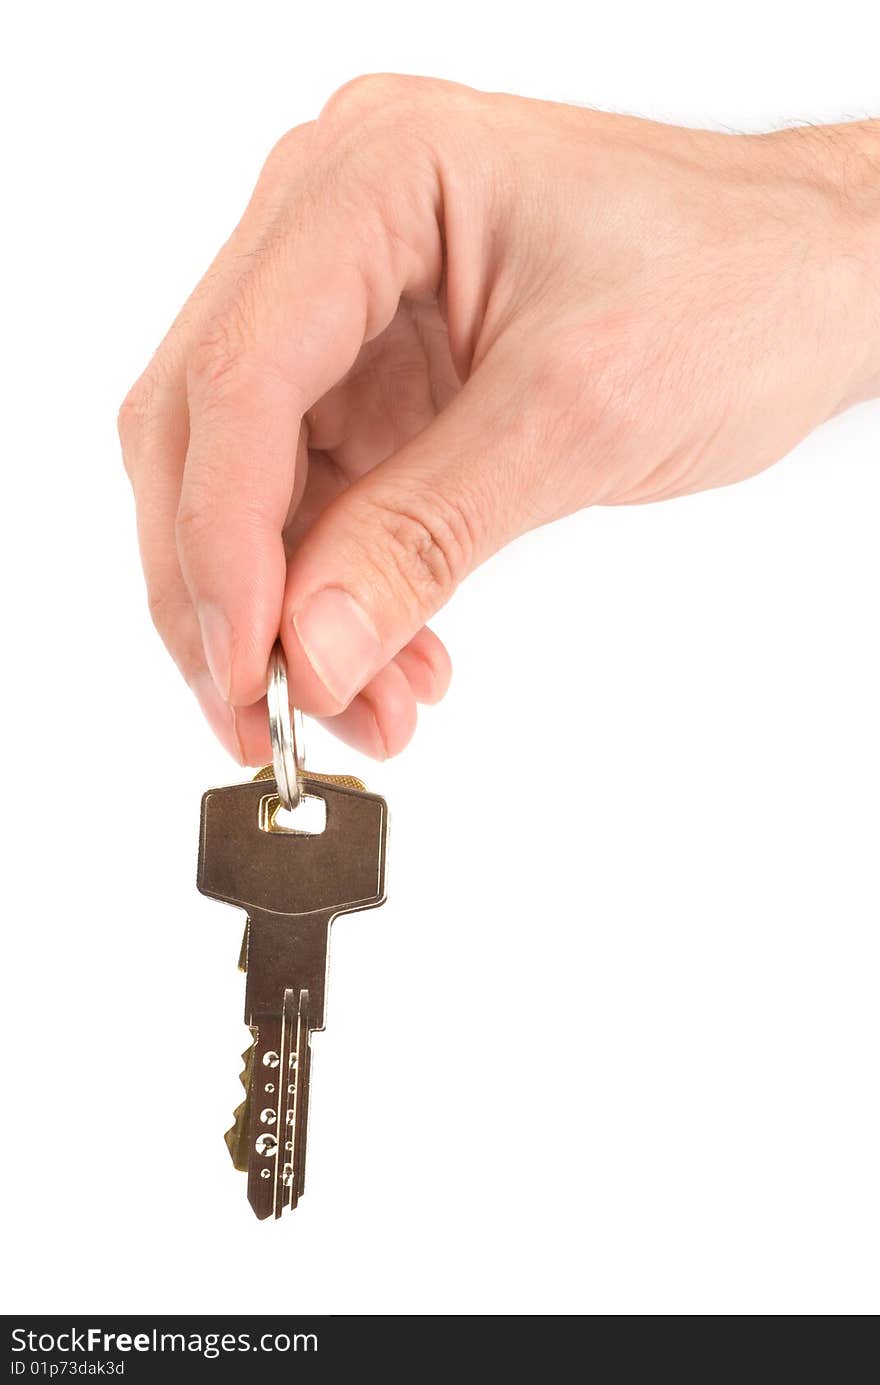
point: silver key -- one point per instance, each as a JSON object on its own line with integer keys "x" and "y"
{"x": 292, "y": 885}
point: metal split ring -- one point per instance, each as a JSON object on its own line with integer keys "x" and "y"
{"x": 285, "y": 732}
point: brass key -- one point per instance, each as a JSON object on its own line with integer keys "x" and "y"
{"x": 292, "y": 884}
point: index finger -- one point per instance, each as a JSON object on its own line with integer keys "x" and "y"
{"x": 330, "y": 279}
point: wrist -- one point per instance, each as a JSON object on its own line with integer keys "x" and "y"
{"x": 855, "y": 169}
{"x": 842, "y": 165}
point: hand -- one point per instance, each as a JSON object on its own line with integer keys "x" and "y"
{"x": 448, "y": 317}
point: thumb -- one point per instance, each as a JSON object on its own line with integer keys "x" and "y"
{"x": 389, "y": 552}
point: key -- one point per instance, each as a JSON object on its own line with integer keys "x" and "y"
{"x": 292, "y": 884}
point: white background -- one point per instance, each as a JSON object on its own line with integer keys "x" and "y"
{"x": 612, "y": 1044}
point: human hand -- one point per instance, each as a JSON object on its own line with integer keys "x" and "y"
{"x": 447, "y": 317}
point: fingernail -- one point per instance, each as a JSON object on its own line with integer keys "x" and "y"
{"x": 217, "y": 642}
{"x": 340, "y": 642}
{"x": 218, "y": 714}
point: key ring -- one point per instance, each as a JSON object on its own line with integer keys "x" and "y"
{"x": 285, "y": 732}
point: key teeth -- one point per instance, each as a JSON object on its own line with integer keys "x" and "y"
{"x": 247, "y": 1058}
{"x": 234, "y": 1138}
{"x": 237, "y": 1134}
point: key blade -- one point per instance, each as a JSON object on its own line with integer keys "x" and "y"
{"x": 300, "y": 1111}
{"x": 279, "y": 1109}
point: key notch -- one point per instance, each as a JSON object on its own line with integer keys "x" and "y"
{"x": 307, "y": 819}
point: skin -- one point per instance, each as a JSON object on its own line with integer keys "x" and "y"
{"x": 447, "y": 317}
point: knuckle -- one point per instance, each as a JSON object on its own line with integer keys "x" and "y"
{"x": 134, "y": 414}
{"x": 364, "y": 95}
{"x": 208, "y": 518}
{"x": 382, "y": 106}
{"x": 286, "y": 153}
{"x": 427, "y": 547}
{"x": 196, "y": 519}
{"x": 165, "y": 606}
{"x": 222, "y": 349}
